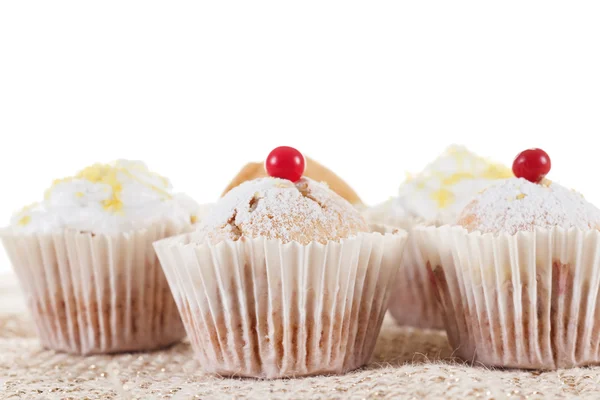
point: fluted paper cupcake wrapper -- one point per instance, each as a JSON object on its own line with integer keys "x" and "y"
{"x": 259, "y": 308}
{"x": 529, "y": 300}
{"x": 94, "y": 293}
{"x": 412, "y": 300}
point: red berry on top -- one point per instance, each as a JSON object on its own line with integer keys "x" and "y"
{"x": 286, "y": 163}
{"x": 532, "y": 164}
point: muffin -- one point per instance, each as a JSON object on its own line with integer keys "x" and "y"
{"x": 433, "y": 197}
{"x": 517, "y": 277}
{"x": 85, "y": 261}
{"x": 314, "y": 170}
{"x": 282, "y": 279}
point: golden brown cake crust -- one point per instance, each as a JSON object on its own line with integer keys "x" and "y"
{"x": 314, "y": 170}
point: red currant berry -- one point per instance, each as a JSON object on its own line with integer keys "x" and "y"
{"x": 286, "y": 163}
{"x": 532, "y": 164}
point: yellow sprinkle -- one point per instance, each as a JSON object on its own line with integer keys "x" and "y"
{"x": 457, "y": 177}
{"x": 193, "y": 219}
{"x": 112, "y": 204}
{"x": 140, "y": 167}
{"x": 497, "y": 171}
{"x": 575, "y": 191}
{"x": 420, "y": 185}
{"x": 24, "y": 220}
{"x": 105, "y": 174}
{"x": 452, "y": 150}
{"x": 459, "y": 153}
{"x": 546, "y": 182}
{"x": 581, "y": 194}
{"x": 521, "y": 196}
{"x": 443, "y": 197}
{"x": 459, "y": 157}
{"x": 58, "y": 181}
{"x": 28, "y": 207}
{"x": 99, "y": 173}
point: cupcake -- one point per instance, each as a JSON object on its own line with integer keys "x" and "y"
{"x": 85, "y": 261}
{"x": 313, "y": 170}
{"x": 283, "y": 278}
{"x": 517, "y": 276}
{"x": 433, "y": 197}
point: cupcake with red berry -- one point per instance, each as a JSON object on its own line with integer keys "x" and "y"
{"x": 313, "y": 170}
{"x": 435, "y": 196}
{"x": 86, "y": 264}
{"x": 517, "y": 277}
{"x": 282, "y": 278}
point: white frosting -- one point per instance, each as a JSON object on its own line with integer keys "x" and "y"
{"x": 107, "y": 198}
{"x": 419, "y": 202}
{"x": 389, "y": 209}
{"x": 440, "y": 192}
{"x": 514, "y": 205}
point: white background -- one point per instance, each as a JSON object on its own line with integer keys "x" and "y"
{"x": 371, "y": 89}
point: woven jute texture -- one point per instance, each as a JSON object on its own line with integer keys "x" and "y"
{"x": 408, "y": 363}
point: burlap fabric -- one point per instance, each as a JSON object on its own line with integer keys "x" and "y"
{"x": 408, "y": 363}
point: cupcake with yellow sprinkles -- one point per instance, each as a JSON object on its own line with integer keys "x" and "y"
{"x": 435, "y": 196}
{"x": 85, "y": 260}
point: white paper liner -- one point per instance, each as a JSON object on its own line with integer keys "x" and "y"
{"x": 259, "y": 308}
{"x": 95, "y": 293}
{"x": 529, "y": 300}
{"x": 412, "y": 301}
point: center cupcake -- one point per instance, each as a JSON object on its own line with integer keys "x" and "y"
{"x": 283, "y": 278}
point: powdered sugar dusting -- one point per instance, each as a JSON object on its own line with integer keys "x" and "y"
{"x": 279, "y": 209}
{"x": 516, "y": 204}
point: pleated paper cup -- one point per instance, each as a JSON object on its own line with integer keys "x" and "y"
{"x": 412, "y": 301}
{"x": 94, "y": 293}
{"x": 260, "y": 308}
{"x": 529, "y": 300}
